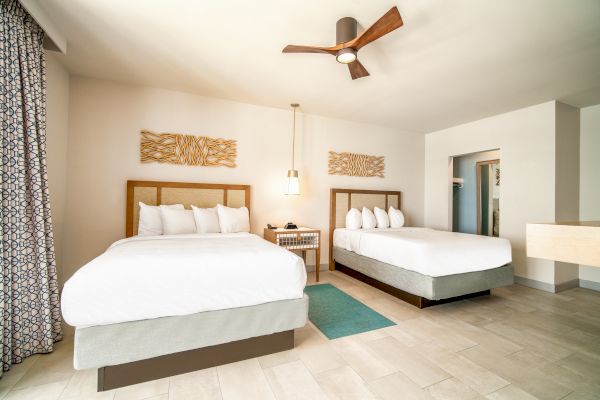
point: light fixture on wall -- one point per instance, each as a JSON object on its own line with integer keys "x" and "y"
{"x": 293, "y": 184}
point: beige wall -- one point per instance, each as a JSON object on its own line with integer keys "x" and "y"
{"x": 105, "y": 119}
{"x": 57, "y": 121}
{"x": 526, "y": 139}
{"x": 589, "y": 195}
{"x": 566, "y": 207}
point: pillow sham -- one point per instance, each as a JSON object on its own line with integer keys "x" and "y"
{"x": 207, "y": 220}
{"x": 150, "y": 220}
{"x": 368, "y": 219}
{"x": 353, "y": 219}
{"x": 383, "y": 220}
{"x": 396, "y": 218}
{"x": 232, "y": 220}
{"x": 177, "y": 222}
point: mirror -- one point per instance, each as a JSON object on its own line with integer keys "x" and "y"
{"x": 488, "y": 197}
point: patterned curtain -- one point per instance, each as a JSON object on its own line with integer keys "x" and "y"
{"x": 29, "y": 306}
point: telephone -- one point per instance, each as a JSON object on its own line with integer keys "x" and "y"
{"x": 291, "y": 225}
{"x": 269, "y": 226}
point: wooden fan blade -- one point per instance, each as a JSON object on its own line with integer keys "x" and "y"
{"x": 389, "y": 22}
{"x": 357, "y": 70}
{"x": 290, "y": 48}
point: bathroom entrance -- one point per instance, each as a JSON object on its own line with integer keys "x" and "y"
{"x": 476, "y": 193}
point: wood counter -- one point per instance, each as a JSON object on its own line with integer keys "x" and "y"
{"x": 573, "y": 242}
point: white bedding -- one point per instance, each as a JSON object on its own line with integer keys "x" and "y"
{"x": 158, "y": 276}
{"x": 426, "y": 251}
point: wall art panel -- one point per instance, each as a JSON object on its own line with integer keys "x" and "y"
{"x": 352, "y": 164}
{"x": 174, "y": 148}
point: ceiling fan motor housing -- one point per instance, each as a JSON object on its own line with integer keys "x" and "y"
{"x": 345, "y": 30}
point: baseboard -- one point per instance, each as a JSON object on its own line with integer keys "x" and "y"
{"x": 532, "y": 283}
{"x": 589, "y": 285}
{"x": 311, "y": 268}
{"x": 574, "y": 283}
{"x": 549, "y": 287}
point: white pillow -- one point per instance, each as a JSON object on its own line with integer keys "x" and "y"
{"x": 177, "y": 222}
{"x": 207, "y": 220}
{"x": 150, "y": 221}
{"x": 396, "y": 218}
{"x": 368, "y": 219}
{"x": 383, "y": 221}
{"x": 353, "y": 219}
{"x": 233, "y": 220}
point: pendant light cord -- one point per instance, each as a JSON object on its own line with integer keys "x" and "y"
{"x": 293, "y": 136}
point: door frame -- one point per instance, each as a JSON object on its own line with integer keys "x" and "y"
{"x": 478, "y": 193}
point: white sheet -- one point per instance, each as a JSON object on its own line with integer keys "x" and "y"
{"x": 158, "y": 276}
{"x": 426, "y": 251}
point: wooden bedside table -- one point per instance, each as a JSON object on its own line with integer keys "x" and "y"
{"x": 302, "y": 239}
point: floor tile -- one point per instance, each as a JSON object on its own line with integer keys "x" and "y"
{"x": 275, "y": 359}
{"x": 84, "y": 385}
{"x": 48, "y": 368}
{"x": 475, "y": 376}
{"x": 510, "y": 392}
{"x": 363, "y": 360}
{"x": 391, "y": 386}
{"x": 293, "y": 381}
{"x": 452, "y": 389}
{"x": 344, "y": 384}
{"x": 49, "y": 391}
{"x": 532, "y": 380}
{"x": 319, "y": 358}
{"x": 143, "y": 390}
{"x": 244, "y": 380}
{"x": 419, "y": 369}
{"x": 198, "y": 385}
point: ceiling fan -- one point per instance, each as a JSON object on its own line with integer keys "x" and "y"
{"x": 348, "y": 42}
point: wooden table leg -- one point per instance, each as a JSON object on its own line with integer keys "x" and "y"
{"x": 317, "y": 262}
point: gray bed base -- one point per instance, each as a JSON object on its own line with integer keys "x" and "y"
{"x": 427, "y": 287}
{"x": 243, "y": 332}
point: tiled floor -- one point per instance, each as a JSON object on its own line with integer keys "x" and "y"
{"x": 519, "y": 343}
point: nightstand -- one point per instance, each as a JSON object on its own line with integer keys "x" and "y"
{"x": 302, "y": 239}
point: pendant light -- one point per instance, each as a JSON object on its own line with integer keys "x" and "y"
{"x": 293, "y": 184}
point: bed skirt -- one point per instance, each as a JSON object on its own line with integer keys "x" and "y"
{"x": 432, "y": 288}
{"x": 105, "y": 345}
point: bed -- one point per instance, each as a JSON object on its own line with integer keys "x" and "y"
{"x": 421, "y": 266}
{"x": 157, "y": 306}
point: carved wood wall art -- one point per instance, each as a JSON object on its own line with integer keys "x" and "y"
{"x": 173, "y": 148}
{"x": 352, "y": 164}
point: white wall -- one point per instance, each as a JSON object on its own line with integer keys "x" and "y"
{"x": 589, "y": 194}
{"x": 105, "y": 120}
{"x": 57, "y": 121}
{"x": 526, "y": 139}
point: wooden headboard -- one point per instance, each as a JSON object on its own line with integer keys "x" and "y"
{"x": 342, "y": 200}
{"x": 199, "y": 194}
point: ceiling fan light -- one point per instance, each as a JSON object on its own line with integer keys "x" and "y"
{"x": 346, "y": 56}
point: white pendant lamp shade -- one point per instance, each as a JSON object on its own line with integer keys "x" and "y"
{"x": 293, "y": 183}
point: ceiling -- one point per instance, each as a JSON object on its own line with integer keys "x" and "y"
{"x": 452, "y": 61}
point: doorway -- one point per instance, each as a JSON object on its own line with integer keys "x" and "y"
{"x": 476, "y": 193}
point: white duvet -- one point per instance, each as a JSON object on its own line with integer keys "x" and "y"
{"x": 426, "y": 251}
{"x": 158, "y": 276}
